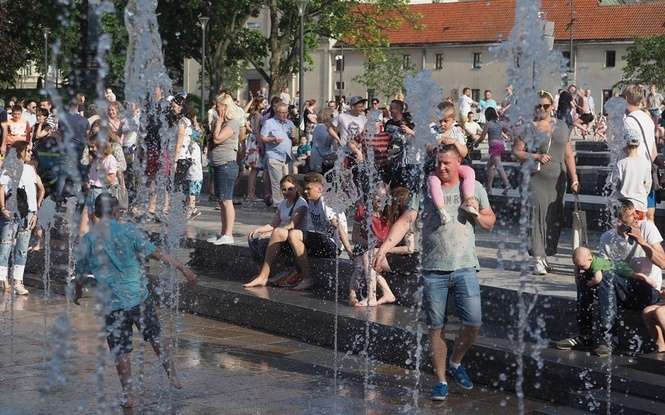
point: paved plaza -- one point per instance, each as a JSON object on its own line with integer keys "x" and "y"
{"x": 225, "y": 369}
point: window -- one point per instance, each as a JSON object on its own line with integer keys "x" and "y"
{"x": 610, "y": 58}
{"x": 566, "y": 57}
{"x": 406, "y": 61}
{"x": 439, "y": 61}
{"x": 477, "y": 60}
{"x": 475, "y": 95}
{"x": 339, "y": 86}
{"x": 339, "y": 63}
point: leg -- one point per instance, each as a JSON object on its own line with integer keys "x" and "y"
{"x": 277, "y": 238}
{"x": 439, "y": 352}
{"x": 251, "y": 183}
{"x": 489, "y": 180}
{"x": 370, "y": 278}
{"x": 607, "y": 303}
{"x": 655, "y": 324}
{"x": 435, "y": 298}
{"x": 21, "y": 256}
{"x": 123, "y": 364}
{"x": 434, "y": 188}
{"x": 6, "y": 244}
{"x": 387, "y": 295}
{"x": 276, "y": 172}
{"x": 502, "y": 172}
{"x": 229, "y": 214}
{"x": 468, "y": 177}
{"x": 297, "y": 242}
{"x": 466, "y": 290}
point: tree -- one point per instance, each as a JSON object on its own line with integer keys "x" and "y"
{"x": 360, "y": 24}
{"x": 385, "y": 75}
{"x": 645, "y": 62}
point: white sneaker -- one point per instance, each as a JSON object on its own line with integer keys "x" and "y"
{"x": 224, "y": 240}
{"x": 539, "y": 267}
{"x": 213, "y": 239}
{"x": 19, "y": 289}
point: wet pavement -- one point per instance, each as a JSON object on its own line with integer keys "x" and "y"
{"x": 54, "y": 361}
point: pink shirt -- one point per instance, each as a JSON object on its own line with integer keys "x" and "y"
{"x": 100, "y": 168}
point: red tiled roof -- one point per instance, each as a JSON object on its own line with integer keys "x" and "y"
{"x": 483, "y": 21}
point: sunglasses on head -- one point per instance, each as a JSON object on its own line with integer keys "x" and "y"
{"x": 543, "y": 106}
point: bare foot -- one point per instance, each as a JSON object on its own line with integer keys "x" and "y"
{"x": 386, "y": 299}
{"x": 305, "y": 284}
{"x": 367, "y": 303}
{"x": 258, "y": 281}
{"x": 6, "y": 287}
{"x": 353, "y": 299}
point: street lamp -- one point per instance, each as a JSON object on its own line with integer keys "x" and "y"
{"x": 340, "y": 65}
{"x": 46, "y": 33}
{"x": 302, "y": 4}
{"x": 203, "y": 20}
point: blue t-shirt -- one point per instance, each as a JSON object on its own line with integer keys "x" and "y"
{"x": 113, "y": 252}
{"x": 281, "y": 151}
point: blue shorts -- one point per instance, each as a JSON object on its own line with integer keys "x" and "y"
{"x": 225, "y": 180}
{"x": 651, "y": 200}
{"x": 463, "y": 285}
{"x": 195, "y": 187}
{"x": 90, "y": 198}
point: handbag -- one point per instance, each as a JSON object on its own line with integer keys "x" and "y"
{"x": 655, "y": 177}
{"x": 580, "y": 237}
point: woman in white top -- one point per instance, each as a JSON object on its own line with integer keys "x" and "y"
{"x": 183, "y": 158}
{"x": 266, "y": 241}
{"x": 19, "y": 201}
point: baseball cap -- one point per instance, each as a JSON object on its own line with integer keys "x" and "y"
{"x": 632, "y": 137}
{"x": 357, "y": 100}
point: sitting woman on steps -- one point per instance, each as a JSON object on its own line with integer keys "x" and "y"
{"x": 266, "y": 241}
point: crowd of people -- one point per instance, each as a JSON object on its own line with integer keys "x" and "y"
{"x": 135, "y": 156}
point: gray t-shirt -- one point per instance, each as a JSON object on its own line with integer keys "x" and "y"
{"x": 226, "y": 152}
{"x": 452, "y": 246}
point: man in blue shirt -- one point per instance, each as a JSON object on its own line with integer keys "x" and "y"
{"x": 486, "y": 102}
{"x": 278, "y": 134}
{"x": 114, "y": 254}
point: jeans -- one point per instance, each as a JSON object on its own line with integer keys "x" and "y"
{"x": 9, "y": 230}
{"x": 277, "y": 169}
{"x": 225, "y": 180}
{"x": 463, "y": 285}
{"x": 612, "y": 295}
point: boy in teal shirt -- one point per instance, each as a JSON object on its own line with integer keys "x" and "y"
{"x": 113, "y": 253}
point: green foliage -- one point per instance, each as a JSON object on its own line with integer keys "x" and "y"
{"x": 385, "y": 75}
{"x": 645, "y": 62}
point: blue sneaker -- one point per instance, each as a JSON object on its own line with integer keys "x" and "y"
{"x": 440, "y": 392}
{"x": 461, "y": 377}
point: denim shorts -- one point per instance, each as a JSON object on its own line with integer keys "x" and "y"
{"x": 225, "y": 180}
{"x": 463, "y": 285}
{"x": 91, "y": 196}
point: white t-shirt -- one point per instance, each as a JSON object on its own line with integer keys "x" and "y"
{"x": 320, "y": 216}
{"x": 195, "y": 172}
{"x": 286, "y": 211}
{"x": 349, "y": 126}
{"x": 472, "y": 128}
{"x": 464, "y": 106}
{"x": 635, "y": 181}
{"x": 186, "y": 124}
{"x": 28, "y": 182}
{"x": 619, "y": 248}
{"x": 649, "y": 131}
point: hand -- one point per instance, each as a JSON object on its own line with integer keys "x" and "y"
{"x": 189, "y": 276}
{"x": 543, "y": 158}
{"x": 32, "y": 222}
{"x": 595, "y": 280}
{"x": 380, "y": 263}
{"x": 6, "y": 213}
{"x": 277, "y": 140}
{"x": 637, "y": 235}
{"x": 78, "y": 293}
{"x": 472, "y": 201}
{"x": 575, "y": 186}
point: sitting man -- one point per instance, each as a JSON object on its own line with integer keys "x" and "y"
{"x": 637, "y": 243}
{"x": 318, "y": 240}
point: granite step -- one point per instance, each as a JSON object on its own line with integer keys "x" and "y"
{"x": 596, "y": 401}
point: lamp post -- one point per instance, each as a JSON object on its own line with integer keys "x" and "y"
{"x": 46, "y": 33}
{"x": 340, "y": 65}
{"x": 302, "y": 4}
{"x": 203, "y": 20}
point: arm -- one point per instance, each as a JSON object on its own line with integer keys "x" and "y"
{"x": 3, "y": 208}
{"x": 569, "y": 159}
{"x": 647, "y": 279}
{"x": 408, "y": 248}
{"x": 596, "y": 279}
{"x": 397, "y": 232}
{"x": 221, "y": 134}
{"x": 483, "y": 134}
{"x": 179, "y": 140}
{"x": 654, "y": 251}
{"x": 344, "y": 237}
{"x": 40, "y": 191}
{"x": 167, "y": 259}
{"x": 333, "y": 133}
{"x": 486, "y": 218}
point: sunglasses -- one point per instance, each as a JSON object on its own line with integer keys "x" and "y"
{"x": 543, "y": 106}
{"x": 288, "y": 189}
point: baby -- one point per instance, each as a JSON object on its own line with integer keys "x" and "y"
{"x": 593, "y": 266}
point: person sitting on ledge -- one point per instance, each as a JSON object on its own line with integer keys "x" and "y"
{"x": 267, "y": 241}
{"x": 639, "y": 244}
{"x": 319, "y": 238}
{"x": 654, "y": 319}
{"x": 113, "y": 253}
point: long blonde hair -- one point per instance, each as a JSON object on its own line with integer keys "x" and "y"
{"x": 233, "y": 112}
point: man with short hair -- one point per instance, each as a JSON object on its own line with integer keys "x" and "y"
{"x": 449, "y": 264}
{"x": 638, "y": 120}
{"x": 30, "y": 113}
{"x": 323, "y": 226}
{"x": 375, "y": 116}
{"x": 637, "y": 243}
{"x": 465, "y": 103}
{"x": 486, "y": 102}
{"x": 278, "y": 134}
{"x": 347, "y": 126}
{"x": 52, "y": 119}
